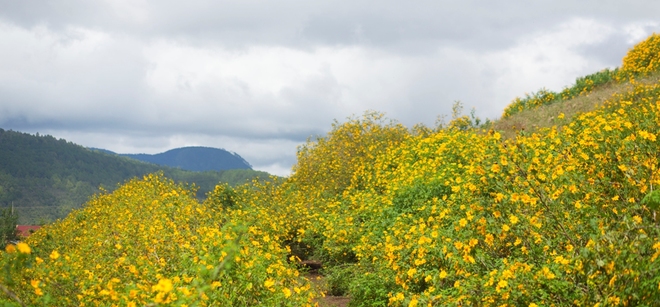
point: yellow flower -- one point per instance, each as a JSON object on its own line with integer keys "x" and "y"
{"x": 462, "y": 222}
{"x": 23, "y": 248}
{"x": 54, "y": 255}
{"x": 164, "y": 285}
{"x": 578, "y": 204}
{"x": 10, "y": 248}
{"x": 513, "y": 219}
{"x": 35, "y": 284}
{"x": 489, "y": 239}
{"x": 547, "y": 273}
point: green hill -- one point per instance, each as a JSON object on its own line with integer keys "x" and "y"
{"x": 43, "y": 178}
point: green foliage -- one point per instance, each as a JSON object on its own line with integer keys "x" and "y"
{"x": 583, "y": 86}
{"x": 338, "y": 279}
{"x": 531, "y": 101}
{"x": 417, "y": 194}
{"x": 223, "y": 195}
{"x": 370, "y": 289}
{"x": 652, "y": 200}
{"x": 365, "y": 286}
{"x": 8, "y": 219}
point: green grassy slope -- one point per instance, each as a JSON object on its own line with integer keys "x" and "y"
{"x": 545, "y": 116}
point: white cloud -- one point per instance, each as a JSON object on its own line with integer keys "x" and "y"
{"x": 639, "y": 31}
{"x": 259, "y": 81}
{"x": 549, "y": 59}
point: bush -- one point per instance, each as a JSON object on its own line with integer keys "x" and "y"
{"x": 8, "y": 221}
{"x": 643, "y": 58}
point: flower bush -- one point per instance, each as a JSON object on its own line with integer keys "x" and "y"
{"x": 152, "y": 243}
{"x": 458, "y": 218}
{"x": 643, "y": 58}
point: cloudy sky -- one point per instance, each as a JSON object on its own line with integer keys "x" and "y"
{"x": 259, "y": 77}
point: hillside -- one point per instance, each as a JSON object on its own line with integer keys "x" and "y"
{"x": 198, "y": 159}
{"x": 455, "y": 215}
{"x": 45, "y": 178}
{"x": 561, "y": 112}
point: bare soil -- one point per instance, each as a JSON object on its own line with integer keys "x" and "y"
{"x": 319, "y": 283}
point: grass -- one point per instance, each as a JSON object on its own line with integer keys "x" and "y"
{"x": 549, "y": 115}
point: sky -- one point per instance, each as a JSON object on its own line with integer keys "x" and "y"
{"x": 260, "y": 77}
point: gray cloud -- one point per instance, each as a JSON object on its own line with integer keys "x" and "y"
{"x": 260, "y": 77}
{"x": 479, "y": 23}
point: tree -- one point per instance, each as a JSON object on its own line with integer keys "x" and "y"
{"x": 8, "y": 219}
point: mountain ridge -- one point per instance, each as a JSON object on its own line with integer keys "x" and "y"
{"x": 195, "y": 158}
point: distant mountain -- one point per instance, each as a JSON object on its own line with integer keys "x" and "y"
{"x": 44, "y": 178}
{"x": 196, "y": 159}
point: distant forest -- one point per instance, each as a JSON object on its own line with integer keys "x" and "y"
{"x": 44, "y": 178}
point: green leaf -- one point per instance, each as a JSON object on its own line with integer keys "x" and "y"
{"x": 652, "y": 200}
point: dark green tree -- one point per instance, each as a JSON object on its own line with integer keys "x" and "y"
{"x": 8, "y": 219}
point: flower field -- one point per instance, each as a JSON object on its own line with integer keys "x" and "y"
{"x": 458, "y": 216}
{"x": 152, "y": 243}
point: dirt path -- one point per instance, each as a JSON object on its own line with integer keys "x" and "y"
{"x": 334, "y": 301}
{"x": 318, "y": 282}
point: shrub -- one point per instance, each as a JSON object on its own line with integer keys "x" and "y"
{"x": 643, "y": 58}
